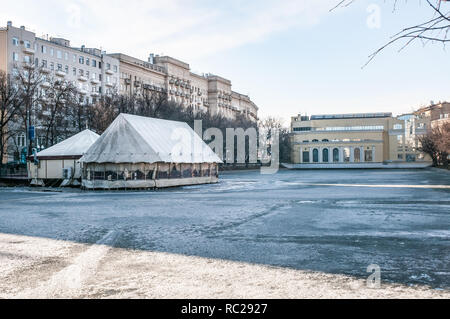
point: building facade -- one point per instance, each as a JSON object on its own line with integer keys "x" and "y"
{"x": 95, "y": 73}
{"x": 90, "y": 70}
{"x": 173, "y": 77}
{"x": 350, "y": 138}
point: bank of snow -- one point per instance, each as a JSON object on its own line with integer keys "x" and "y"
{"x": 45, "y": 268}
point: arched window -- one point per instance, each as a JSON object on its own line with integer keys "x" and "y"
{"x": 325, "y": 155}
{"x": 325, "y": 140}
{"x": 346, "y": 154}
{"x": 316, "y": 155}
{"x": 335, "y": 155}
{"x": 357, "y": 155}
{"x": 315, "y": 141}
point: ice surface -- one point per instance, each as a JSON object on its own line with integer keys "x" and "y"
{"x": 267, "y": 219}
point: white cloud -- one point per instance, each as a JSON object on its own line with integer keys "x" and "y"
{"x": 181, "y": 28}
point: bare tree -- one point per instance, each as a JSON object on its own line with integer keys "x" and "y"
{"x": 53, "y": 112}
{"x": 9, "y": 100}
{"x": 435, "y": 29}
{"x": 29, "y": 78}
{"x": 436, "y": 143}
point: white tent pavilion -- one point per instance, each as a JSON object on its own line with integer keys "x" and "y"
{"x": 60, "y": 162}
{"x": 143, "y": 152}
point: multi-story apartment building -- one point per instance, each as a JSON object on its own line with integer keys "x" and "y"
{"x": 350, "y": 138}
{"x": 91, "y": 71}
{"x": 435, "y": 114}
{"x": 95, "y": 73}
{"x": 174, "y": 78}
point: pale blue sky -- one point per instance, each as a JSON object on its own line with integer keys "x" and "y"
{"x": 289, "y": 56}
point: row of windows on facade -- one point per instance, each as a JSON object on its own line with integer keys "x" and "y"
{"x": 59, "y": 67}
{"x": 368, "y": 155}
{"x": 60, "y": 54}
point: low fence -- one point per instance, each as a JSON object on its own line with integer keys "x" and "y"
{"x": 15, "y": 171}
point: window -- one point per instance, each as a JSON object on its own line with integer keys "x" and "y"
{"x": 81, "y": 60}
{"x": 316, "y": 155}
{"x": 108, "y": 66}
{"x": 15, "y": 57}
{"x": 315, "y": 141}
{"x": 67, "y": 69}
{"x": 335, "y": 155}
{"x": 347, "y": 154}
{"x": 52, "y": 66}
{"x": 94, "y": 63}
{"x": 94, "y": 76}
{"x": 306, "y": 157}
{"x": 325, "y": 155}
{"x": 400, "y": 156}
{"x": 87, "y": 74}
{"x": 357, "y": 155}
{"x": 81, "y": 72}
{"x": 52, "y": 52}
{"x": 59, "y": 67}
{"x": 115, "y": 68}
{"x": 368, "y": 156}
{"x": 398, "y": 127}
{"x": 74, "y": 71}
{"x": 26, "y": 59}
{"x": 301, "y": 129}
{"x": 44, "y": 49}
{"x": 66, "y": 56}
{"x": 87, "y": 61}
{"x": 15, "y": 42}
{"x": 99, "y": 65}
{"x": 27, "y": 44}
{"x": 74, "y": 58}
{"x": 44, "y": 63}
{"x": 58, "y": 54}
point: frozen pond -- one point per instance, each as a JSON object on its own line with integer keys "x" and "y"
{"x": 290, "y": 219}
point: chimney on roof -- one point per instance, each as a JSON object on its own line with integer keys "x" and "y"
{"x": 22, "y": 27}
{"x": 82, "y": 48}
{"x": 9, "y": 23}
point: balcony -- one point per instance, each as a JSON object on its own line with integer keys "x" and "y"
{"x": 82, "y": 78}
{"x": 28, "y": 65}
{"x": 45, "y": 84}
{"x": 28, "y": 51}
{"x": 60, "y": 73}
{"x": 109, "y": 84}
{"x": 109, "y": 71}
{"x": 45, "y": 70}
{"x": 83, "y": 91}
{"x": 95, "y": 94}
{"x": 95, "y": 82}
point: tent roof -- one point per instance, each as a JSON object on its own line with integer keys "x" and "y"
{"x": 76, "y": 145}
{"x": 137, "y": 139}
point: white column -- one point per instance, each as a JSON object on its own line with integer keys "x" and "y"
{"x": 341, "y": 155}
{"x": 301, "y": 155}
{"x": 310, "y": 155}
{"x": 330, "y": 155}
{"x": 352, "y": 154}
{"x": 361, "y": 154}
{"x": 320, "y": 155}
{"x": 373, "y": 154}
